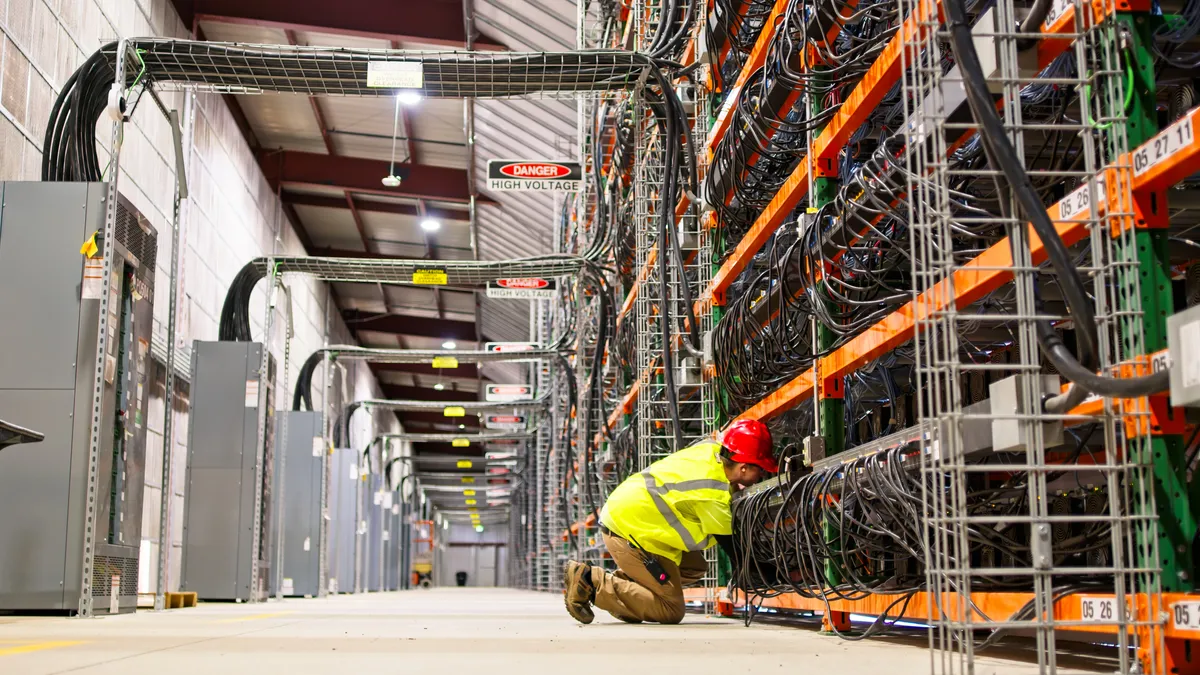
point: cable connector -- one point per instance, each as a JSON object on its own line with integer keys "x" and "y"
{"x": 813, "y": 449}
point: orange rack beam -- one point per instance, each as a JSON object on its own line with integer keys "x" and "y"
{"x": 992, "y": 268}
{"x": 996, "y": 606}
{"x": 758, "y": 56}
{"x": 861, "y": 102}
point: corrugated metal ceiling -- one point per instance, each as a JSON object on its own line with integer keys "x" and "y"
{"x": 521, "y": 225}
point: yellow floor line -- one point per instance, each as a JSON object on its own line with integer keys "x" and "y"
{"x": 254, "y": 617}
{"x": 37, "y": 647}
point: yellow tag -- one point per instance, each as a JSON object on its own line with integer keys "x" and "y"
{"x": 429, "y": 277}
{"x": 454, "y": 411}
{"x": 468, "y": 479}
{"x": 460, "y": 443}
{"x": 474, "y": 512}
{"x": 89, "y": 248}
{"x": 811, "y": 210}
{"x": 445, "y": 362}
{"x": 470, "y": 502}
{"x": 465, "y": 464}
{"x": 469, "y": 493}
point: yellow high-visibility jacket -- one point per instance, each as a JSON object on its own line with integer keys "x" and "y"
{"x": 675, "y": 505}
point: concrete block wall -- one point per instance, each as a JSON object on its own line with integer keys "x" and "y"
{"x": 231, "y": 216}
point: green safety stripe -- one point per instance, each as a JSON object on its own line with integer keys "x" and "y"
{"x": 656, "y": 495}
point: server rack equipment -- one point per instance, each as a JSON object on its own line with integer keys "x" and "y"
{"x": 226, "y": 515}
{"x": 51, "y": 300}
{"x": 297, "y": 524}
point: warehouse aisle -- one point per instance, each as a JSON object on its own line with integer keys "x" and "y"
{"x": 484, "y": 630}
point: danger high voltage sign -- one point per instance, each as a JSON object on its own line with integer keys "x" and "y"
{"x": 512, "y": 175}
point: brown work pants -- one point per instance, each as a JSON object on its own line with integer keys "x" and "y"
{"x": 633, "y": 593}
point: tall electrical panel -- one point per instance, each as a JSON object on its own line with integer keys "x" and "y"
{"x": 228, "y": 497}
{"x": 298, "y": 514}
{"x": 344, "y": 489}
{"x": 50, "y": 298}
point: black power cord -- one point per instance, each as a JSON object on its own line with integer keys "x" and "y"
{"x": 1001, "y": 153}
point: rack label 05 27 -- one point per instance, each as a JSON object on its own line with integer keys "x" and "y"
{"x": 1168, "y": 142}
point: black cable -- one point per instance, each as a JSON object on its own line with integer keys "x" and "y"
{"x": 1000, "y": 151}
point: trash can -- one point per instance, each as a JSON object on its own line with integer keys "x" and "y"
{"x": 461, "y": 578}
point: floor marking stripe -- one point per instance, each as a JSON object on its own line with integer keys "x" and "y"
{"x": 37, "y": 647}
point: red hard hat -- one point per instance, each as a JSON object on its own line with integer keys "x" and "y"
{"x": 749, "y": 441}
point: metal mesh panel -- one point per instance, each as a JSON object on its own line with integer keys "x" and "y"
{"x": 1024, "y": 532}
{"x": 247, "y": 68}
{"x": 383, "y": 355}
{"x": 428, "y": 272}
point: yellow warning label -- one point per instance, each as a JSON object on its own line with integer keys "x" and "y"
{"x": 89, "y": 248}
{"x": 468, "y": 479}
{"x": 469, "y": 493}
{"x": 465, "y": 464}
{"x": 471, "y": 502}
{"x": 429, "y": 277}
{"x": 454, "y": 411}
{"x": 445, "y": 362}
{"x": 460, "y": 443}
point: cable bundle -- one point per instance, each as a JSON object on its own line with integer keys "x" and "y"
{"x": 855, "y": 529}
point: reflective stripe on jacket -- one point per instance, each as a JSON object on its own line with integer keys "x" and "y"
{"x": 675, "y": 505}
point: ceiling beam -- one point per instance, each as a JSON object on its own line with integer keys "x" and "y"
{"x": 433, "y": 22}
{"x": 418, "y": 326}
{"x": 434, "y": 417}
{"x": 395, "y": 391}
{"x": 328, "y": 252}
{"x": 293, "y": 168}
{"x": 376, "y": 206}
{"x": 464, "y": 370}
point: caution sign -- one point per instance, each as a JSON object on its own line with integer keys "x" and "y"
{"x": 429, "y": 277}
{"x": 454, "y": 411}
{"x": 504, "y": 421}
{"x": 516, "y": 175}
{"x": 531, "y": 288}
{"x": 507, "y": 347}
{"x": 509, "y": 392}
{"x": 445, "y": 362}
{"x": 460, "y": 443}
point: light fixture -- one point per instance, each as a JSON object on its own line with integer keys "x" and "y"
{"x": 449, "y": 344}
{"x": 479, "y": 528}
{"x": 462, "y": 426}
{"x": 439, "y": 386}
{"x": 409, "y": 96}
{"x": 431, "y": 224}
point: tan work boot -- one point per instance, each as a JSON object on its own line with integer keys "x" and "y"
{"x": 579, "y": 592}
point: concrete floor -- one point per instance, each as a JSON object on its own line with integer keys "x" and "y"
{"x": 484, "y": 630}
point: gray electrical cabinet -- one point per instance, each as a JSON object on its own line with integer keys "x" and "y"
{"x": 344, "y": 488}
{"x": 374, "y": 547}
{"x": 224, "y": 474}
{"x": 50, "y": 300}
{"x": 298, "y": 519}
